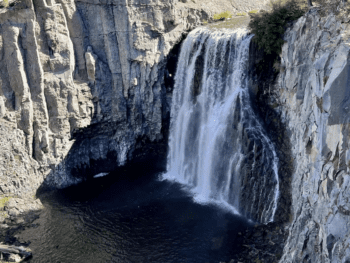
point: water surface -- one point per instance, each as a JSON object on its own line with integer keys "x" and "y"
{"x": 131, "y": 220}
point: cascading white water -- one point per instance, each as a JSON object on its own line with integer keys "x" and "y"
{"x": 217, "y": 145}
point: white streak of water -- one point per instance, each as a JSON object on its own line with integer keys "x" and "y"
{"x": 100, "y": 175}
{"x": 212, "y": 122}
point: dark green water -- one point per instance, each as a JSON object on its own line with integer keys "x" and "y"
{"x": 131, "y": 220}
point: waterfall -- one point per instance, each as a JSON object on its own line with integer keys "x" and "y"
{"x": 217, "y": 146}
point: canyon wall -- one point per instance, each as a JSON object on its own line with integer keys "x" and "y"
{"x": 312, "y": 97}
{"x": 84, "y": 89}
{"x": 88, "y": 68}
{"x": 84, "y": 85}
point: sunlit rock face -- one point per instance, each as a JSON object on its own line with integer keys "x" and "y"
{"x": 82, "y": 86}
{"x": 313, "y": 93}
{"x": 69, "y": 69}
{"x": 40, "y": 101}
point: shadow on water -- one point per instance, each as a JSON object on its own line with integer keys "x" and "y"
{"x": 131, "y": 219}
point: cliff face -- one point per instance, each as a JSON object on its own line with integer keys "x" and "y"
{"x": 84, "y": 89}
{"x": 313, "y": 94}
{"x": 88, "y": 65}
{"x": 82, "y": 86}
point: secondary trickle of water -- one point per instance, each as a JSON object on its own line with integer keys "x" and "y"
{"x": 217, "y": 145}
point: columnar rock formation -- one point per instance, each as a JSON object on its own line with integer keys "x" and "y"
{"x": 40, "y": 102}
{"x": 63, "y": 68}
{"x": 313, "y": 93}
{"x": 82, "y": 89}
{"x": 83, "y": 82}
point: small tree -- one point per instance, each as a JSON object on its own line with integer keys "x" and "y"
{"x": 269, "y": 26}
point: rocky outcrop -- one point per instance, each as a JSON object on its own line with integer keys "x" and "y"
{"x": 39, "y": 99}
{"x": 313, "y": 100}
{"x": 82, "y": 91}
{"x": 82, "y": 87}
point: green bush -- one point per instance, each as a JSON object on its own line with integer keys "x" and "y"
{"x": 241, "y": 14}
{"x": 6, "y": 3}
{"x": 269, "y": 26}
{"x": 226, "y": 14}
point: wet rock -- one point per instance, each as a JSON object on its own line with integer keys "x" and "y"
{"x": 264, "y": 243}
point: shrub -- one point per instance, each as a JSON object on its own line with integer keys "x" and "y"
{"x": 269, "y": 26}
{"x": 241, "y": 14}
{"x": 226, "y": 14}
{"x": 6, "y": 3}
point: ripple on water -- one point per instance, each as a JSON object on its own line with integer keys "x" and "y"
{"x": 132, "y": 221}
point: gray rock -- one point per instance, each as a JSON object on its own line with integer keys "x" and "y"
{"x": 316, "y": 113}
{"x": 82, "y": 84}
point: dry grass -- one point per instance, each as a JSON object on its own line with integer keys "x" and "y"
{"x": 233, "y": 23}
{"x": 3, "y": 201}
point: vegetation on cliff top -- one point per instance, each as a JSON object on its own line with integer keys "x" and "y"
{"x": 269, "y": 26}
{"x": 226, "y": 14}
{"x": 253, "y": 11}
{"x": 235, "y": 22}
